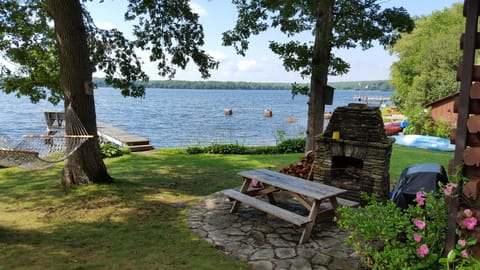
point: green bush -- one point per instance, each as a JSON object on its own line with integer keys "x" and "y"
{"x": 384, "y": 235}
{"x": 387, "y": 237}
{"x": 287, "y": 146}
{"x": 296, "y": 145}
{"x": 109, "y": 150}
{"x": 442, "y": 128}
{"x": 218, "y": 149}
{"x": 421, "y": 123}
{"x": 262, "y": 150}
{"x": 196, "y": 149}
{"x": 226, "y": 149}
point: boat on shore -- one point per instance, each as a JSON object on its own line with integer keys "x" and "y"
{"x": 424, "y": 142}
{"x": 393, "y": 128}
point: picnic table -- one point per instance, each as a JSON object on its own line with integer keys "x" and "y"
{"x": 308, "y": 193}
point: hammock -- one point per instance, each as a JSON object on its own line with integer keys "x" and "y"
{"x": 41, "y": 151}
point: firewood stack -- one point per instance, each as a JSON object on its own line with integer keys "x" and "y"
{"x": 302, "y": 168}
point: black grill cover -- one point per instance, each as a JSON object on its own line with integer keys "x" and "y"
{"x": 416, "y": 178}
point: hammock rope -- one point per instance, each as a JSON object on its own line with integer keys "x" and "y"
{"x": 41, "y": 151}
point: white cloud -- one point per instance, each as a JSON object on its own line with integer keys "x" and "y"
{"x": 8, "y": 64}
{"x": 246, "y": 65}
{"x": 105, "y": 25}
{"x": 197, "y": 8}
{"x": 218, "y": 55}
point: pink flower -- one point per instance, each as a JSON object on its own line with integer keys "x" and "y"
{"x": 451, "y": 185}
{"x": 420, "y": 224}
{"x": 420, "y": 198}
{"x": 417, "y": 237}
{"x": 422, "y": 250}
{"x": 468, "y": 212}
{"x": 464, "y": 254}
{"x": 470, "y": 223}
{"x": 462, "y": 242}
{"x": 449, "y": 189}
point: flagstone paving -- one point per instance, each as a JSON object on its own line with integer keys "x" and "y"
{"x": 265, "y": 242}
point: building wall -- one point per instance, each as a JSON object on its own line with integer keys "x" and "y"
{"x": 444, "y": 110}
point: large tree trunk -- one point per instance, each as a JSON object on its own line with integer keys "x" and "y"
{"x": 86, "y": 164}
{"x": 320, "y": 62}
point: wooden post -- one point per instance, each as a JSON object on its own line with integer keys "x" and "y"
{"x": 471, "y": 12}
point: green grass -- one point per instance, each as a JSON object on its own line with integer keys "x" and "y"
{"x": 136, "y": 223}
{"x": 403, "y": 157}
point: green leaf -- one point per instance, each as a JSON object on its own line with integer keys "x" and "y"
{"x": 472, "y": 241}
{"x": 452, "y": 255}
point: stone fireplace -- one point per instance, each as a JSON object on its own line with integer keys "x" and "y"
{"x": 354, "y": 152}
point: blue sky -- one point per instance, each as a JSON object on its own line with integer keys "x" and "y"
{"x": 260, "y": 64}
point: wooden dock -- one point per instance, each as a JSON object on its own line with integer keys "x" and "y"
{"x": 368, "y": 99}
{"x": 56, "y": 121}
{"x": 123, "y": 138}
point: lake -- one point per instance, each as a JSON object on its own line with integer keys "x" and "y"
{"x": 173, "y": 118}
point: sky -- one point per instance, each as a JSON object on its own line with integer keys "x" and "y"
{"x": 260, "y": 64}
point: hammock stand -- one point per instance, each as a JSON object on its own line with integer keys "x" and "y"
{"x": 41, "y": 151}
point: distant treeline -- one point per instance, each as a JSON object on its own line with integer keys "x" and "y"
{"x": 178, "y": 84}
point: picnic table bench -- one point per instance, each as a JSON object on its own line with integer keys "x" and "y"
{"x": 309, "y": 194}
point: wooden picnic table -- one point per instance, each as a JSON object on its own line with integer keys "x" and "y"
{"x": 308, "y": 193}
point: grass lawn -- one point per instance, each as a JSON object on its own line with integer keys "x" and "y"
{"x": 403, "y": 157}
{"x": 136, "y": 223}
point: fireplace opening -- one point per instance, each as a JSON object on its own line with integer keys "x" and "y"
{"x": 343, "y": 162}
{"x": 346, "y": 171}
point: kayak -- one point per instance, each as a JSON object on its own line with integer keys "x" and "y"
{"x": 424, "y": 142}
{"x": 393, "y": 128}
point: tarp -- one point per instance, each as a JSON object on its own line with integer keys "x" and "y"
{"x": 419, "y": 177}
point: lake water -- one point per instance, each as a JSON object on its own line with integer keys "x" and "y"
{"x": 180, "y": 117}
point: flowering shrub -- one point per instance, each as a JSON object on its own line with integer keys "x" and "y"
{"x": 387, "y": 237}
{"x": 459, "y": 258}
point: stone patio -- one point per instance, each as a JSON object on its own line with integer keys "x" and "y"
{"x": 265, "y": 242}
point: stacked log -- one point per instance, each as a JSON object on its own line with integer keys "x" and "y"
{"x": 302, "y": 168}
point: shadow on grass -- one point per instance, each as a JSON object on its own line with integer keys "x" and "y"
{"x": 135, "y": 223}
{"x": 149, "y": 237}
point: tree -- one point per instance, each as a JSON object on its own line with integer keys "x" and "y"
{"x": 333, "y": 24}
{"x": 57, "y": 62}
{"x": 428, "y": 59}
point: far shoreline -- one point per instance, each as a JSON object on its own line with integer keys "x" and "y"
{"x": 378, "y": 85}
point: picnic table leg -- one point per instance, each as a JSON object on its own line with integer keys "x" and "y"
{"x": 243, "y": 189}
{"x": 334, "y": 203}
{"x": 270, "y": 197}
{"x": 307, "y": 231}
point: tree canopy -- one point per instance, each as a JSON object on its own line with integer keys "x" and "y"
{"x": 354, "y": 23}
{"x": 332, "y": 24}
{"x": 428, "y": 59}
{"x": 168, "y": 30}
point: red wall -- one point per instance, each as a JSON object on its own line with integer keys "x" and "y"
{"x": 444, "y": 110}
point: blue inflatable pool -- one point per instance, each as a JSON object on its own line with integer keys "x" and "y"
{"x": 424, "y": 142}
